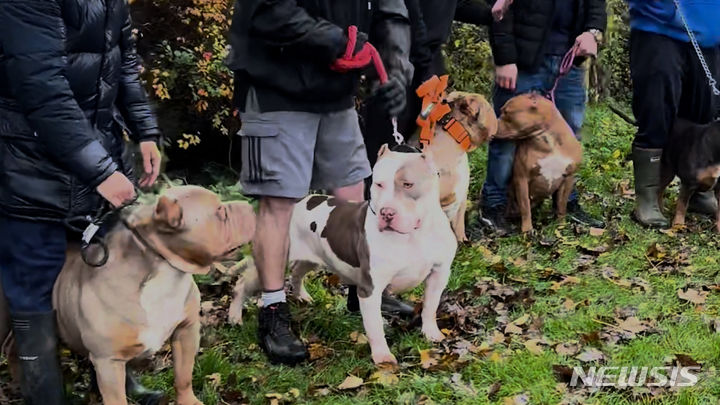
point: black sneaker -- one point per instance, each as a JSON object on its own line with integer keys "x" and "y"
{"x": 494, "y": 218}
{"x": 276, "y": 337}
{"x": 579, "y": 216}
{"x": 390, "y": 305}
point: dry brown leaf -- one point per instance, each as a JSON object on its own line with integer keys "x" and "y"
{"x": 568, "y": 348}
{"x": 427, "y": 359}
{"x": 497, "y": 338}
{"x": 358, "y": 338}
{"x": 692, "y": 295}
{"x": 385, "y": 375}
{"x": 590, "y": 354}
{"x": 597, "y": 231}
{"x": 521, "y": 399}
{"x": 351, "y": 382}
{"x": 569, "y": 304}
{"x": 533, "y": 346}
{"x": 214, "y": 379}
{"x": 633, "y": 325}
{"x": 513, "y": 329}
{"x": 556, "y": 285}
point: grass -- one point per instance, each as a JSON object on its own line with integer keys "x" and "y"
{"x": 231, "y": 368}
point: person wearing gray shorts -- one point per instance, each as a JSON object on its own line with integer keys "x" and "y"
{"x": 296, "y": 77}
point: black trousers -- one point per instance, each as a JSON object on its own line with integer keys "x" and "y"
{"x": 668, "y": 82}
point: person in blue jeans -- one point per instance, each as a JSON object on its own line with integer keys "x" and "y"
{"x": 528, "y": 45}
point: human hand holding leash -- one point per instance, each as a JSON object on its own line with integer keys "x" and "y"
{"x": 500, "y": 8}
{"x": 358, "y": 52}
{"x": 117, "y": 189}
{"x": 586, "y": 45}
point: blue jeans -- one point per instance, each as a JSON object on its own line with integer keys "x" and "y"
{"x": 570, "y": 99}
{"x": 31, "y": 257}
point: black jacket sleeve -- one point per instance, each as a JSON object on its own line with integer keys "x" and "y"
{"x": 32, "y": 34}
{"x": 596, "y": 15}
{"x": 391, "y": 35}
{"x": 475, "y": 12}
{"x": 502, "y": 40}
{"x": 283, "y": 23}
{"x": 132, "y": 100}
{"x": 420, "y": 55}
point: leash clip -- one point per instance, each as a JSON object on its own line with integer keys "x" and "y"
{"x": 399, "y": 138}
{"x": 89, "y": 233}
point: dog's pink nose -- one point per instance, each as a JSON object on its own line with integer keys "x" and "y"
{"x": 387, "y": 214}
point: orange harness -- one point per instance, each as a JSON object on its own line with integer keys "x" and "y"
{"x": 435, "y": 109}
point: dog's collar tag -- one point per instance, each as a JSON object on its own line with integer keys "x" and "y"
{"x": 89, "y": 233}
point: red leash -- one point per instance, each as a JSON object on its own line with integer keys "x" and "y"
{"x": 362, "y": 58}
{"x": 565, "y": 66}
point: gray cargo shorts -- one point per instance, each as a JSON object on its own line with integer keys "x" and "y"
{"x": 288, "y": 153}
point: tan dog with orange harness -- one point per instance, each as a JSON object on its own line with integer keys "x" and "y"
{"x": 450, "y": 127}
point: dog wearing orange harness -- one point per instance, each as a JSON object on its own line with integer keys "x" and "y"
{"x": 451, "y": 125}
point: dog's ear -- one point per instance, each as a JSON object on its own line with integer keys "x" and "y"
{"x": 383, "y": 149}
{"x": 168, "y": 213}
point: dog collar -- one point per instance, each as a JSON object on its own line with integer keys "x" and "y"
{"x": 456, "y": 130}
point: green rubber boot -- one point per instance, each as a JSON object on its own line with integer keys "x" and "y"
{"x": 646, "y": 164}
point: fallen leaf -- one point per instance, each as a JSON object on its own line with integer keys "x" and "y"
{"x": 350, "y": 383}
{"x": 556, "y": 285}
{"x": 521, "y": 399}
{"x": 633, "y": 325}
{"x": 385, "y": 375}
{"x": 569, "y": 304}
{"x": 693, "y": 295}
{"x": 513, "y": 329}
{"x": 294, "y": 393}
{"x": 358, "y": 338}
{"x": 493, "y": 390}
{"x": 532, "y": 346}
{"x": 214, "y": 379}
{"x": 318, "y": 351}
{"x": 497, "y": 338}
{"x": 460, "y": 385}
{"x": 590, "y": 354}
{"x": 567, "y": 348}
{"x": 427, "y": 360}
{"x": 686, "y": 361}
{"x": 522, "y": 320}
{"x": 562, "y": 373}
{"x": 597, "y": 231}
{"x": 590, "y": 338}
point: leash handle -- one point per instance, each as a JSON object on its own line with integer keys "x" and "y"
{"x": 383, "y": 76}
{"x": 565, "y": 66}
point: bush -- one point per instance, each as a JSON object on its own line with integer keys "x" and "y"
{"x": 469, "y": 59}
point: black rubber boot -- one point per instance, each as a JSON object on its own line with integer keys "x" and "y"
{"x": 390, "y": 305}
{"x": 577, "y": 214}
{"x": 142, "y": 395}
{"x": 36, "y": 339}
{"x": 704, "y": 203}
{"x": 276, "y": 337}
{"x": 646, "y": 164}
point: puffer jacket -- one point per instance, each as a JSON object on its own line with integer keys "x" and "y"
{"x": 520, "y": 36}
{"x": 284, "y": 49}
{"x": 69, "y": 88}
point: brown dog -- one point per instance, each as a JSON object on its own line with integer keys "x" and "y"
{"x": 547, "y": 154}
{"x": 145, "y": 293}
{"x": 477, "y": 118}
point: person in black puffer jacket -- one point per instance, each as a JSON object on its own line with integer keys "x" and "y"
{"x": 69, "y": 88}
{"x": 528, "y": 45}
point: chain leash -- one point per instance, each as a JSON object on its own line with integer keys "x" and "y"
{"x": 711, "y": 81}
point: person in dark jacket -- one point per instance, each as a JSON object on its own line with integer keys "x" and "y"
{"x": 668, "y": 82}
{"x": 431, "y": 22}
{"x": 295, "y": 89}
{"x": 69, "y": 84}
{"x": 528, "y": 45}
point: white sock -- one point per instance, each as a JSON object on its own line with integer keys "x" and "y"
{"x": 273, "y": 297}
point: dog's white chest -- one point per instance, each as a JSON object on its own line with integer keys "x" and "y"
{"x": 554, "y": 167}
{"x": 163, "y": 298}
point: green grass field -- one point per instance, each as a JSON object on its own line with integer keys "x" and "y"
{"x": 516, "y": 309}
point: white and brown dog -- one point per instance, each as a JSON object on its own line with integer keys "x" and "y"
{"x": 394, "y": 242}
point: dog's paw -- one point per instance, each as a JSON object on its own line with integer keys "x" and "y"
{"x": 235, "y": 314}
{"x": 384, "y": 358}
{"x": 433, "y": 334}
{"x": 304, "y": 297}
{"x": 190, "y": 399}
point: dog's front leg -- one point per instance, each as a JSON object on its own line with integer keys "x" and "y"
{"x": 185, "y": 344}
{"x": 563, "y": 194}
{"x": 373, "y": 322}
{"x": 682, "y": 204}
{"x": 459, "y": 223}
{"x": 434, "y": 286}
{"x": 522, "y": 194}
{"x": 111, "y": 379}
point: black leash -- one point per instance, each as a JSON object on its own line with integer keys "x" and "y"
{"x": 94, "y": 223}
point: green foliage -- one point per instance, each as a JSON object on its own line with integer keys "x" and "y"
{"x": 614, "y": 58}
{"x": 186, "y": 67}
{"x": 469, "y": 59}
